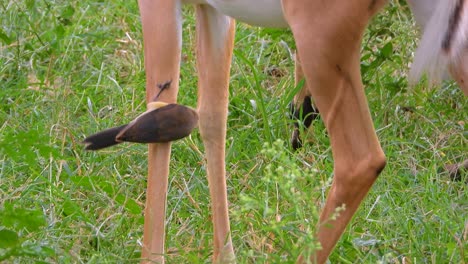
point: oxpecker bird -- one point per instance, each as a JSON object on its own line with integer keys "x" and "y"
{"x": 161, "y": 123}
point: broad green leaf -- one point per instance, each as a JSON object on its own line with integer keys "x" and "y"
{"x": 387, "y": 50}
{"x": 70, "y": 208}
{"x": 8, "y": 239}
{"x": 20, "y": 218}
{"x": 4, "y": 37}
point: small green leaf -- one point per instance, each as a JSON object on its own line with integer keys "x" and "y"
{"x": 387, "y": 50}
{"x": 132, "y": 206}
{"x": 70, "y": 208}
{"x": 30, "y": 4}
{"x": 84, "y": 182}
{"x": 26, "y": 146}
{"x": 9, "y": 239}
{"x": 68, "y": 12}
{"x": 20, "y": 218}
{"x": 451, "y": 247}
{"x": 4, "y": 37}
{"x": 60, "y": 31}
{"x": 129, "y": 204}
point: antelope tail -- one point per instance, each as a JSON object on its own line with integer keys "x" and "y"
{"x": 445, "y": 37}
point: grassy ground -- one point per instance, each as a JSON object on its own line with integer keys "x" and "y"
{"x": 71, "y": 68}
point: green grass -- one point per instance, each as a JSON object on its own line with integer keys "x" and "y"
{"x": 71, "y": 68}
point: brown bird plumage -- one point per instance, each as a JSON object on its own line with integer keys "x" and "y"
{"x": 160, "y": 124}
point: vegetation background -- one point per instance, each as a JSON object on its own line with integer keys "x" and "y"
{"x": 71, "y": 68}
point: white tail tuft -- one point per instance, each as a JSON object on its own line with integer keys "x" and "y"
{"x": 430, "y": 57}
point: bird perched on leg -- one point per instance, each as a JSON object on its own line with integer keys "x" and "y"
{"x": 161, "y": 123}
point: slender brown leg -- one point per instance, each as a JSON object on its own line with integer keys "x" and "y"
{"x": 161, "y": 25}
{"x": 303, "y": 112}
{"x": 328, "y": 36}
{"x": 215, "y": 37}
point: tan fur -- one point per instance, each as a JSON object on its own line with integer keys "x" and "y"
{"x": 213, "y": 68}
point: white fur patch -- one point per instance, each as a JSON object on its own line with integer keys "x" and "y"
{"x": 219, "y": 27}
{"x": 430, "y": 58}
{"x": 422, "y": 10}
{"x": 262, "y": 13}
